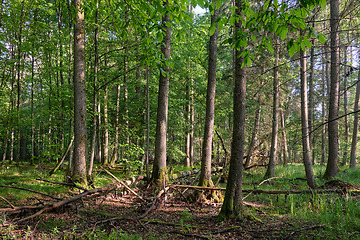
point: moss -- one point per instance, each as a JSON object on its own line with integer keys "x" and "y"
{"x": 162, "y": 177}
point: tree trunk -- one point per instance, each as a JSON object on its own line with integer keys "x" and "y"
{"x": 159, "y": 174}
{"x": 323, "y": 105}
{"x": 332, "y": 168}
{"x": 304, "y": 124}
{"x": 346, "y": 125}
{"x": 233, "y": 203}
{"x": 105, "y": 150}
{"x": 353, "y": 154}
{"x": 80, "y": 141}
{"x": 254, "y": 134}
{"x": 205, "y": 172}
{"x": 96, "y": 63}
{"x": 283, "y": 131}
{"x": 275, "y": 122}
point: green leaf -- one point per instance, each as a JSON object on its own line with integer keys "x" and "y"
{"x": 322, "y": 38}
{"x": 212, "y": 29}
{"x": 232, "y": 20}
{"x": 322, "y": 4}
{"x": 218, "y": 4}
{"x": 266, "y": 5}
{"x": 283, "y": 33}
{"x": 270, "y": 47}
{"x": 291, "y": 51}
{"x": 307, "y": 43}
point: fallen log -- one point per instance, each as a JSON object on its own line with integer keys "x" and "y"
{"x": 259, "y": 191}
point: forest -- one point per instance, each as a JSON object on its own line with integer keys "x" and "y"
{"x": 179, "y": 119}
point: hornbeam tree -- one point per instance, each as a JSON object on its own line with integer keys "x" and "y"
{"x": 159, "y": 174}
{"x": 80, "y": 141}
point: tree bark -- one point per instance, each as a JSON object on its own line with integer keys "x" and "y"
{"x": 332, "y": 168}
{"x": 323, "y": 105}
{"x": 205, "y": 172}
{"x": 96, "y": 63}
{"x": 346, "y": 125}
{"x": 254, "y": 134}
{"x": 275, "y": 121}
{"x": 353, "y": 154}
{"x": 80, "y": 140}
{"x": 283, "y": 131}
{"x": 159, "y": 174}
{"x": 304, "y": 124}
{"x": 233, "y": 203}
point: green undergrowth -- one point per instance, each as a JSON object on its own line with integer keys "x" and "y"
{"x": 338, "y": 213}
{"x": 25, "y": 176}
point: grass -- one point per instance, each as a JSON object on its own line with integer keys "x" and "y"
{"x": 339, "y": 213}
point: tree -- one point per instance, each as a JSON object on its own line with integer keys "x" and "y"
{"x": 275, "y": 121}
{"x": 80, "y": 141}
{"x": 159, "y": 174}
{"x": 205, "y": 173}
{"x": 332, "y": 168}
{"x": 233, "y": 203}
{"x": 305, "y": 124}
{"x": 356, "y": 125}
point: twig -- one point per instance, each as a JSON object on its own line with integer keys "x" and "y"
{"x": 135, "y": 218}
{"x": 122, "y": 183}
{"x": 12, "y": 206}
{"x": 29, "y": 190}
{"x": 63, "y": 183}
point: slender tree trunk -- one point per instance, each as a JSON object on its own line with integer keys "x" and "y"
{"x": 304, "y": 124}
{"x": 96, "y": 62}
{"x": 205, "y": 172}
{"x": 105, "y": 151}
{"x": 32, "y": 110}
{"x": 117, "y": 122}
{"x": 332, "y": 168}
{"x": 311, "y": 90}
{"x": 275, "y": 122}
{"x": 233, "y": 203}
{"x": 147, "y": 124}
{"x": 346, "y": 125}
{"x": 323, "y": 108}
{"x": 353, "y": 154}
{"x": 80, "y": 140}
{"x": 254, "y": 134}
{"x": 283, "y": 132}
{"x": 159, "y": 174}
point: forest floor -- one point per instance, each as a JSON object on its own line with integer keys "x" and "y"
{"x": 116, "y": 215}
{"x": 172, "y": 219}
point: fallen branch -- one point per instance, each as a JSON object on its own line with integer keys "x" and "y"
{"x": 266, "y": 180}
{"x": 63, "y": 158}
{"x": 63, "y": 183}
{"x": 7, "y": 201}
{"x": 29, "y": 190}
{"x": 122, "y": 183}
{"x": 258, "y": 191}
{"x": 135, "y": 218}
{"x": 50, "y": 206}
